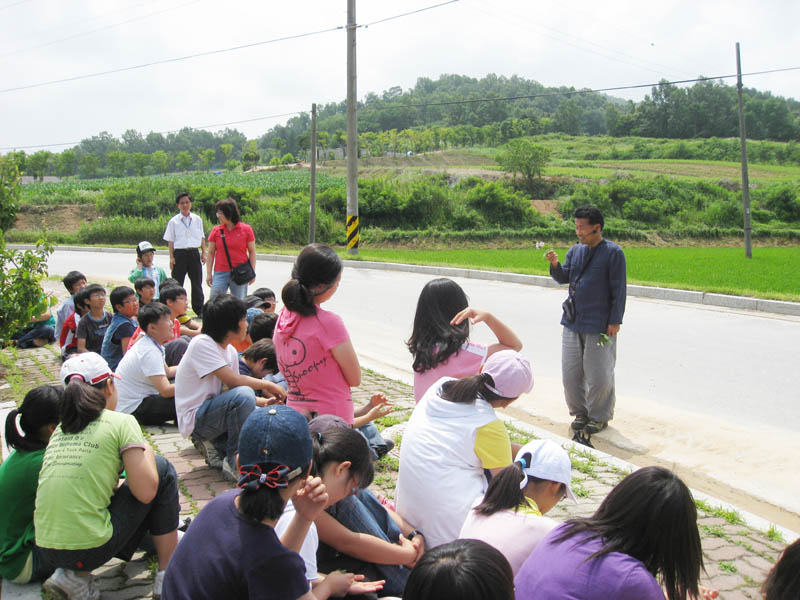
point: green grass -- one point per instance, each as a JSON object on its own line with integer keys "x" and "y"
{"x": 727, "y": 567}
{"x": 731, "y": 516}
{"x": 771, "y": 273}
{"x": 773, "y": 534}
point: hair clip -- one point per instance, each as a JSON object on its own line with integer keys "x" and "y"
{"x": 77, "y": 377}
{"x": 319, "y": 437}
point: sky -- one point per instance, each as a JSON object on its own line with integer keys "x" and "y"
{"x": 581, "y": 43}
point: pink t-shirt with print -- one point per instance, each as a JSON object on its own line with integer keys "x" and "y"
{"x": 303, "y": 348}
{"x": 467, "y": 361}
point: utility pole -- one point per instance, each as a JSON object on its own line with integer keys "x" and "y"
{"x": 748, "y": 251}
{"x": 352, "y": 133}
{"x": 312, "y": 215}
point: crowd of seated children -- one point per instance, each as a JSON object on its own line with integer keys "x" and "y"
{"x": 74, "y": 281}
{"x": 68, "y": 340}
{"x": 93, "y": 325}
{"x": 20, "y": 560}
{"x": 145, "y": 289}
{"x": 144, "y": 389}
{"x": 210, "y": 417}
{"x": 122, "y": 327}
{"x": 174, "y": 297}
{"x": 83, "y": 516}
{"x": 440, "y": 341}
{"x": 145, "y": 267}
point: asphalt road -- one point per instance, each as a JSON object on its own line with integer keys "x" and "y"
{"x": 713, "y": 392}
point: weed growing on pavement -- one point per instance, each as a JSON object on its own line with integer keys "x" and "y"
{"x": 392, "y": 419}
{"x": 13, "y": 377}
{"x": 731, "y": 516}
{"x": 773, "y": 534}
{"x": 727, "y": 567}
{"x": 517, "y": 435}
{"x": 42, "y": 368}
{"x": 578, "y": 489}
{"x": 714, "y": 530}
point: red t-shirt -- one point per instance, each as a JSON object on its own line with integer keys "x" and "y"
{"x": 237, "y": 239}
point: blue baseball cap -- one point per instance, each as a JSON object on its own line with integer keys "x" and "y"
{"x": 276, "y": 435}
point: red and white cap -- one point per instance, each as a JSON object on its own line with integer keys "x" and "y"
{"x": 88, "y": 366}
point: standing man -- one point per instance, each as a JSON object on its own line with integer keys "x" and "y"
{"x": 185, "y": 236}
{"x": 592, "y": 315}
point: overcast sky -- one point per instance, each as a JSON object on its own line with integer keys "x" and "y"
{"x": 581, "y": 43}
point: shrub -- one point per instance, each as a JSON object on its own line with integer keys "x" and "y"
{"x": 502, "y": 206}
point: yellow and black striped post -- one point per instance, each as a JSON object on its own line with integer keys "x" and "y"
{"x": 352, "y": 234}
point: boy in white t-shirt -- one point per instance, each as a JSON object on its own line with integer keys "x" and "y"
{"x": 210, "y": 417}
{"x": 144, "y": 389}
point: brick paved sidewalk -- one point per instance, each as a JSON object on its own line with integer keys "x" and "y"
{"x": 737, "y": 556}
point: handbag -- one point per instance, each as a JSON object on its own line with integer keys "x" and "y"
{"x": 568, "y": 306}
{"x": 242, "y": 273}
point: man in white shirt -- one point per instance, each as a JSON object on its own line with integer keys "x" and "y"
{"x": 184, "y": 235}
{"x": 144, "y": 389}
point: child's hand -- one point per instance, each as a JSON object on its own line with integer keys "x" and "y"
{"x": 311, "y": 499}
{"x": 339, "y": 583}
{"x": 359, "y": 586}
{"x": 267, "y": 400}
{"x": 410, "y": 550}
{"x": 380, "y": 407}
{"x": 475, "y": 315}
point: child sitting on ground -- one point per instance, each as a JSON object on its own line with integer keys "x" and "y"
{"x": 146, "y": 289}
{"x": 123, "y": 324}
{"x": 20, "y": 560}
{"x": 144, "y": 389}
{"x": 68, "y": 340}
{"x": 174, "y": 297}
{"x": 93, "y": 325}
{"x": 262, "y": 327}
{"x": 74, "y": 281}
{"x": 38, "y": 332}
{"x": 145, "y": 255}
{"x": 188, "y": 324}
{"x": 268, "y": 297}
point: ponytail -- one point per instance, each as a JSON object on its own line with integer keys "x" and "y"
{"x": 467, "y": 389}
{"x": 507, "y": 489}
{"x": 260, "y": 484}
{"x": 344, "y": 444}
{"x": 82, "y": 403}
{"x": 317, "y": 266}
{"x": 39, "y": 408}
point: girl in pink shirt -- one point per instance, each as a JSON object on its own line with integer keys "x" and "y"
{"x": 440, "y": 341}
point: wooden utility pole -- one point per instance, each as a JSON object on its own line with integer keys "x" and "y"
{"x": 748, "y": 251}
{"x": 352, "y": 133}
{"x": 312, "y": 215}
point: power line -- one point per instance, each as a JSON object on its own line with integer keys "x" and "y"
{"x": 412, "y": 12}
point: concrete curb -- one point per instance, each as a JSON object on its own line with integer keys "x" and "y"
{"x": 642, "y": 291}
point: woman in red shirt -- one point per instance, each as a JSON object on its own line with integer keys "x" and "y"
{"x": 241, "y": 243}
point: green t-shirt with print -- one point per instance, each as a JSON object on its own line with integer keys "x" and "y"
{"x": 79, "y": 475}
{"x": 18, "y": 476}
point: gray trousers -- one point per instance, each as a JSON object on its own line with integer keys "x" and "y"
{"x": 587, "y": 371}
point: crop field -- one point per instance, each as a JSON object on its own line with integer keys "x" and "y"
{"x": 771, "y": 273}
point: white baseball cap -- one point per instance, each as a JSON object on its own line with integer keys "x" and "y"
{"x": 89, "y": 366}
{"x": 511, "y": 373}
{"x": 544, "y": 459}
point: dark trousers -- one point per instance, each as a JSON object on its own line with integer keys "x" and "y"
{"x": 187, "y": 261}
{"x": 155, "y": 410}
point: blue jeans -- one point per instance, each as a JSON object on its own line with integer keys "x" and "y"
{"x": 221, "y": 281}
{"x": 374, "y": 438}
{"x": 220, "y": 419}
{"x": 41, "y": 330}
{"x": 363, "y": 513}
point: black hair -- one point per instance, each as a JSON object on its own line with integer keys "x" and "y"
{"x": 119, "y": 295}
{"x": 264, "y": 502}
{"x": 650, "y": 515}
{"x": 143, "y": 282}
{"x": 341, "y": 444}
{"x": 264, "y": 293}
{"x": 783, "y": 580}
{"x": 262, "y": 326}
{"x": 461, "y": 570}
{"x": 40, "y": 407}
{"x": 93, "y": 288}
{"x": 81, "y": 404}
{"x": 592, "y": 213}
{"x": 152, "y": 313}
{"x": 168, "y": 282}
{"x": 171, "y": 293}
{"x": 433, "y": 339}
{"x": 221, "y": 316}
{"x": 182, "y": 195}
{"x": 504, "y": 492}
{"x": 81, "y": 299}
{"x": 317, "y": 266}
{"x": 71, "y": 278}
{"x": 260, "y": 350}
{"x": 467, "y": 389}
{"x": 229, "y": 208}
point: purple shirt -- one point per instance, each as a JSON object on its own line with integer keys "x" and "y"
{"x": 561, "y": 571}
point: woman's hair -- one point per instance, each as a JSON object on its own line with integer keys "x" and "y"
{"x": 261, "y": 501}
{"x": 467, "y": 389}
{"x": 39, "y": 408}
{"x": 504, "y": 492}
{"x": 783, "y": 581}
{"x": 461, "y": 570}
{"x": 222, "y": 315}
{"x": 433, "y": 339}
{"x": 650, "y": 515}
{"x": 229, "y": 208}
{"x": 81, "y": 404}
{"x": 342, "y": 444}
{"x": 316, "y": 266}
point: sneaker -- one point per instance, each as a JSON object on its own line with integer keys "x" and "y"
{"x": 383, "y": 449}
{"x": 593, "y": 427}
{"x": 579, "y": 423}
{"x": 209, "y": 452}
{"x": 229, "y": 472}
{"x": 66, "y": 584}
{"x": 158, "y": 583}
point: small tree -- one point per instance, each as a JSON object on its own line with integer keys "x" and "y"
{"x": 117, "y": 161}
{"x": 207, "y": 157}
{"x": 231, "y": 164}
{"x": 88, "y": 166}
{"x": 184, "y": 160}
{"x": 522, "y": 156}
{"x": 250, "y": 156}
{"x": 160, "y": 161}
{"x": 227, "y": 151}
{"x": 67, "y": 162}
{"x": 139, "y": 161}
{"x": 38, "y": 163}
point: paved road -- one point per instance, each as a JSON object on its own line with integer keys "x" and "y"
{"x": 711, "y": 391}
